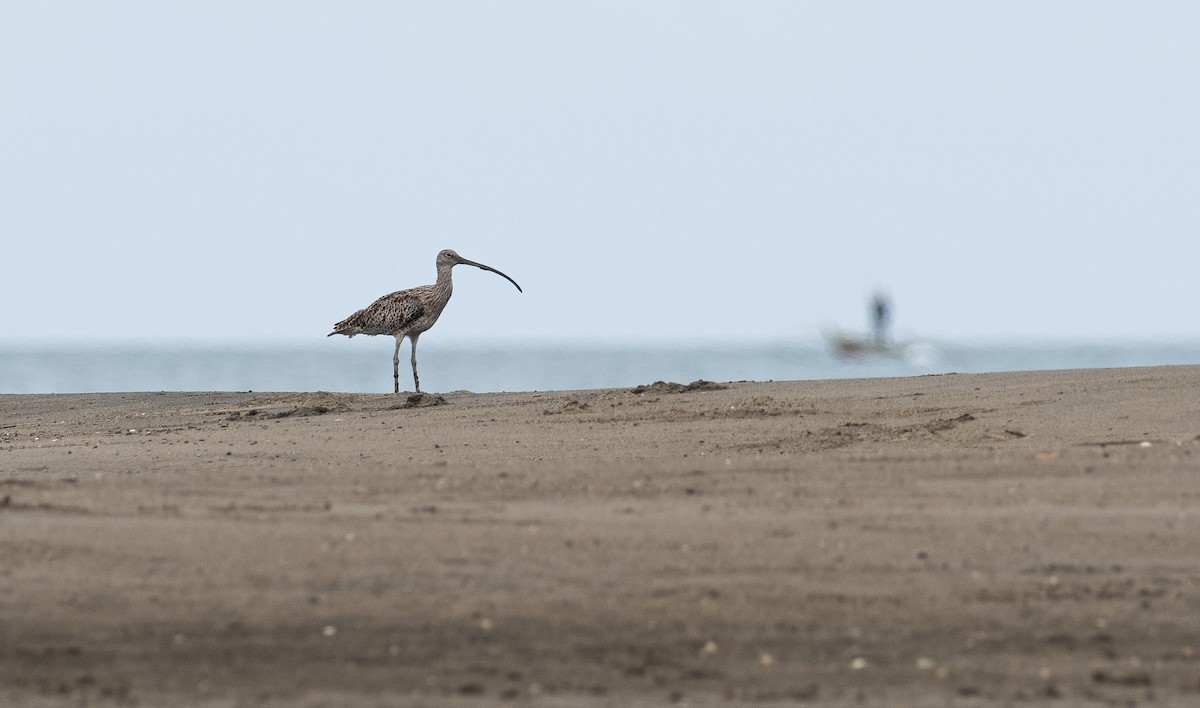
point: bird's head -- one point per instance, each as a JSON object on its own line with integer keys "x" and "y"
{"x": 450, "y": 258}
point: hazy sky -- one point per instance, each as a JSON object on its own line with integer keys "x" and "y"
{"x": 646, "y": 170}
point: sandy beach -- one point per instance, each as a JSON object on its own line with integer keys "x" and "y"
{"x": 957, "y": 540}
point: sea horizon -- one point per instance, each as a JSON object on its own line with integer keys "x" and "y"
{"x": 364, "y": 365}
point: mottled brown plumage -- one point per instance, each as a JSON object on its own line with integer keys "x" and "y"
{"x": 408, "y": 313}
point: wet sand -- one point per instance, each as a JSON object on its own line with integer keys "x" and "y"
{"x": 958, "y": 540}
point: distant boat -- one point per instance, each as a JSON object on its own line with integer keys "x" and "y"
{"x": 847, "y": 346}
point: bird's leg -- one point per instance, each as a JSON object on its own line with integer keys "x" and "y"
{"x": 396, "y": 364}
{"x": 416, "y": 381}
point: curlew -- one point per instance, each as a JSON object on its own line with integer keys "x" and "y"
{"x": 408, "y": 313}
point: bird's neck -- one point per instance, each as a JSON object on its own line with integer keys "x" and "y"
{"x": 444, "y": 283}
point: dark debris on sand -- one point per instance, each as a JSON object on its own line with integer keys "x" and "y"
{"x": 672, "y": 387}
{"x": 421, "y": 400}
{"x": 293, "y": 405}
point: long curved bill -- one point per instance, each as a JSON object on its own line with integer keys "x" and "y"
{"x": 464, "y": 261}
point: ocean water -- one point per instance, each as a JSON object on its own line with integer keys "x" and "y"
{"x": 364, "y": 365}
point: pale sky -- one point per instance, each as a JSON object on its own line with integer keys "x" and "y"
{"x": 726, "y": 171}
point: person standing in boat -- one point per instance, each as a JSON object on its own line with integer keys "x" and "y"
{"x": 881, "y": 316}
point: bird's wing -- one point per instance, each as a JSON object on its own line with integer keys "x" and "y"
{"x": 390, "y": 314}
